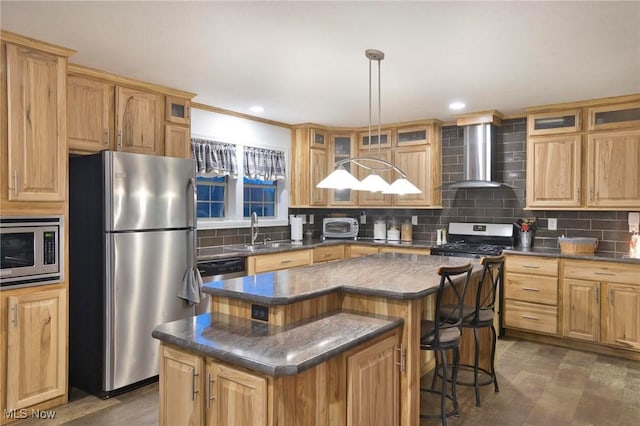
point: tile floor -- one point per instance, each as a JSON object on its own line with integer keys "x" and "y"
{"x": 540, "y": 385}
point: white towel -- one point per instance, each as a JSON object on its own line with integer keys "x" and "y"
{"x": 190, "y": 290}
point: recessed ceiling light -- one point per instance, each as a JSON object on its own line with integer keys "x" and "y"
{"x": 256, "y": 108}
{"x": 457, "y": 105}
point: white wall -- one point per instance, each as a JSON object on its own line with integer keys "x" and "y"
{"x": 241, "y": 131}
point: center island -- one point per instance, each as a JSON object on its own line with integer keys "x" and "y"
{"x": 335, "y": 343}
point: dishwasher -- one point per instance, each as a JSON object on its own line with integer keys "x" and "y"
{"x": 217, "y": 270}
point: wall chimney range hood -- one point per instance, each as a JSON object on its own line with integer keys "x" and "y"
{"x": 479, "y": 151}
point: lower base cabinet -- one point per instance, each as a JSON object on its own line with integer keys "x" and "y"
{"x": 34, "y": 325}
{"x": 358, "y": 387}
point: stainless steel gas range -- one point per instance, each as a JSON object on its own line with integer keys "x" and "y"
{"x": 475, "y": 240}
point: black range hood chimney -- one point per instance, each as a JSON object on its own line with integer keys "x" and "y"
{"x": 479, "y": 151}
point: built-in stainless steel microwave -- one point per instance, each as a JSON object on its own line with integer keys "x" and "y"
{"x": 340, "y": 227}
{"x": 31, "y": 251}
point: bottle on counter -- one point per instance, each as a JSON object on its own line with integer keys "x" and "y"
{"x": 406, "y": 231}
{"x": 380, "y": 229}
{"x": 393, "y": 230}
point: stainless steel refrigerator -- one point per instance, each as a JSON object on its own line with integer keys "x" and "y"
{"x": 131, "y": 233}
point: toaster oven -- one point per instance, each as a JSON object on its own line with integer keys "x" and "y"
{"x": 340, "y": 227}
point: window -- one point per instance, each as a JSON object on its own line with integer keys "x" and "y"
{"x": 211, "y": 193}
{"x": 259, "y": 196}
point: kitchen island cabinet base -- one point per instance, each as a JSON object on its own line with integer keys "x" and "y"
{"x": 193, "y": 394}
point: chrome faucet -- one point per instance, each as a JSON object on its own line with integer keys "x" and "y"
{"x": 254, "y": 227}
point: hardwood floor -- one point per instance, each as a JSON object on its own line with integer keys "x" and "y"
{"x": 539, "y": 385}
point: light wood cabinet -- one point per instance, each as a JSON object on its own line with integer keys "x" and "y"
{"x": 34, "y": 141}
{"x": 180, "y": 399}
{"x": 613, "y": 166}
{"x": 177, "y": 110}
{"x": 602, "y": 303}
{"x": 177, "y": 141}
{"x": 531, "y": 294}
{"x": 309, "y": 165}
{"x": 138, "y": 121}
{"x": 617, "y": 116}
{"x": 235, "y": 397}
{"x": 366, "y": 198}
{"x": 584, "y": 167}
{"x": 342, "y": 146}
{"x": 277, "y": 261}
{"x": 36, "y": 332}
{"x": 374, "y": 369}
{"x": 418, "y": 163}
{"x": 377, "y": 141}
{"x": 354, "y": 250}
{"x": 327, "y": 253}
{"x": 90, "y": 114}
{"x": 553, "y": 123}
{"x": 415, "y": 135}
{"x": 554, "y": 171}
{"x": 405, "y": 250}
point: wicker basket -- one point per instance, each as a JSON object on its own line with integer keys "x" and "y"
{"x": 581, "y": 245}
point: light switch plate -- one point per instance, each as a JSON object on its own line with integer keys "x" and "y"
{"x": 414, "y": 220}
{"x": 363, "y": 219}
{"x": 553, "y": 224}
{"x": 310, "y": 219}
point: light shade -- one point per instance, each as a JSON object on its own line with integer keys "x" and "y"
{"x": 339, "y": 179}
{"x": 402, "y": 186}
{"x": 373, "y": 183}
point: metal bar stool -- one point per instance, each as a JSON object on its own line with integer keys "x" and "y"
{"x": 442, "y": 334}
{"x": 481, "y": 315}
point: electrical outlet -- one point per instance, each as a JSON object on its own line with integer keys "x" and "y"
{"x": 414, "y": 220}
{"x": 363, "y": 219}
{"x": 552, "y": 224}
{"x": 310, "y": 219}
{"x": 259, "y": 312}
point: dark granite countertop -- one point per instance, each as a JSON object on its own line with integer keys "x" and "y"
{"x": 545, "y": 252}
{"x": 236, "y": 250}
{"x": 393, "y": 275}
{"x": 273, "y": 350}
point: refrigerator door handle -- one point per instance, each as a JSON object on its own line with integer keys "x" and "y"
{"x": 109, "y": 312}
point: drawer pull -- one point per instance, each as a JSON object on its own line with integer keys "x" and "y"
{"x": 285, "y": 261}
{"x": 530, "y": 266}
{"x": 530, "y": 289}
{"x": 529, "y": 317}
{"x": 611, "y": 274}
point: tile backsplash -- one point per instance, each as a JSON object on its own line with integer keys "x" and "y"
{"x": 492, "y": 205}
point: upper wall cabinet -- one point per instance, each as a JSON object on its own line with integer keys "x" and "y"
{"x": 342, "y": 146}
{"x": 106, "y": 111}
{"x": 138, "y": 121}
{"x": 552, "y": 123}
{"x": 610, "y": 117}
{"x": 90, "y": 114}
{"x": 383, "y": 140}
{"x": 309, "y": 158}
{"x": 33, "y": 143}
{"x": 595, "y": 168}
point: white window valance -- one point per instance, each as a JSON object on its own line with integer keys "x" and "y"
{"x": 264, "y": 164}
{"x": 214, "y": 158}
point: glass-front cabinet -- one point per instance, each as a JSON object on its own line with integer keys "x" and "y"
{"x": 319, "y": 138}
{"x": 177, "y": 110}
{"x": 419, "y": 135}
{"x": 383, "y": 140}
{"x": 343, "y": 147}
{"x": 614, "y": 116}
{"x": 551, "y": 123}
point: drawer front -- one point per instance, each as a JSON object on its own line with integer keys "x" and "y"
{"x": 532, "y": 265}
{"x": 357, "y": 251}
{"x": 290, "y": 259}
{"x": 324, "y": 254}
{"x": 530, "y": 316}
{"x": 406, "y": 250}
{"x": 603, "y": 271}
{"x": 531, "y": 288}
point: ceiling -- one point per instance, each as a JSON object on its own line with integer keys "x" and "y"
{"x": 305, "y": 61}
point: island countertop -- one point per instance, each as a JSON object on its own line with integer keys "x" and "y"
{"x": 392, "y": 275}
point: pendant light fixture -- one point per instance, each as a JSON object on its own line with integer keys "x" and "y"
{"x": 340, "y": 178}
